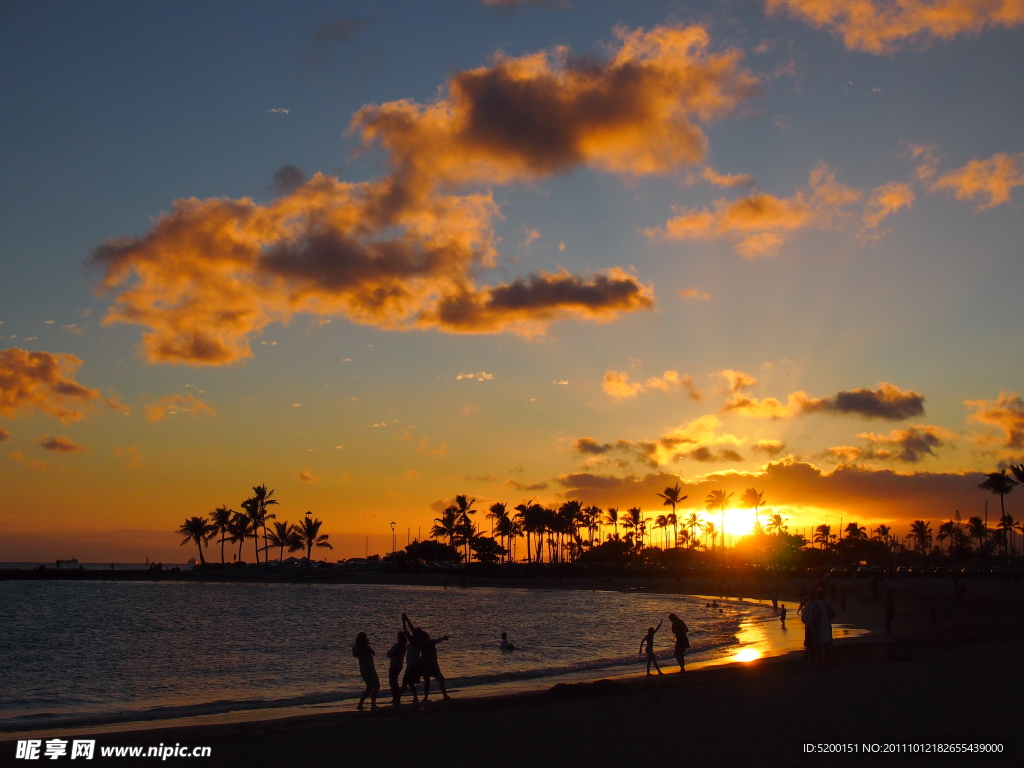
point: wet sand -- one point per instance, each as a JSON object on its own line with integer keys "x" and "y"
{"x": 959, "y": 680}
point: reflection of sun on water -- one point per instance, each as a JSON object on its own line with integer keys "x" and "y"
{"x": 747, "y": 654}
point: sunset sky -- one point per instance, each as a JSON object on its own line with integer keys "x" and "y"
{"x": 378, "y": 254}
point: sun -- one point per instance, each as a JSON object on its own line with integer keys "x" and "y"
{"x": 738, "y": 522}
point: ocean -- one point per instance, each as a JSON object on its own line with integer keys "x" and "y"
{"x": 79, "y": 653}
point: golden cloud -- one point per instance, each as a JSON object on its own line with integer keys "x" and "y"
{"x": 737, "y": 379}
{"x": 699, "y": 439}
{"x": 42, "y": 381}
{"x": 617, "y": 385}
{"x": 19, "y": 457}
{"x": 884, "y": 201}
{"x": 769, "y": 448}
{"x": 882, "y": 26}
{"x": 61, "y": 445}
{"x": 758, "y": 225}
{"x": 695, "y": 293}
{"x": 726, "y": 179}
{"x": 307, "y": 477}
{"x": 988, "y": 181}
{"x": 523, "y": 118}
{"x": 1005, "y": 413}
{"x": 887, "y": 402}
{"x": 910, "y": 445}
{"x": 173, "y": 404}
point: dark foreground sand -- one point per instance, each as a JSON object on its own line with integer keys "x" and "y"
{"x": 958, "y": 681}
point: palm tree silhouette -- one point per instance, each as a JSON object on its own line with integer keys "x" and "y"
{"x": 671, "y": 496}
{"x": 999, "y": 482}
{"x": 284, "y": 535}
{"x": 753, "y": 499}
{"x": 446, "y": 525}
{"x": 525, "y": 519}
{"x": 570, "y": 518}
{"x": 855, "y": 531}
{"x": 220, "y": 519}
{"x": 922, "y": 532}
{"x": 661, "y": 521}
{"x": 634, "y": 520}
{"x": 593, "y": 523}
{"x": 612, "y": 519}
{"x": 976, "y": 529}
{"x": 239, "y": 529}
{"x": 309, "y": 535}
{"x": 718, "y": 499}
{"x": 823, "y": 535}
{"x": 199, "y": 530}
{"x": 776, "y": 524}
{"x": 693, "y": 523}
{"x": 464, "y": 508}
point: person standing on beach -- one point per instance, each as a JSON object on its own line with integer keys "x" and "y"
{"x": 397, "y": 656}
{"x": 362, "y": 651}
{"x": 412, "y": 663}
{"x": 648, "y": 641}
{"x": 890, "y": 610}
{"x": 782, "y": 611}
{"x": 679, "y": 630}
{"x": 817, "y": 618}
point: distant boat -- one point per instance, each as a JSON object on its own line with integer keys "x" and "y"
{"x": 72, "y": 561}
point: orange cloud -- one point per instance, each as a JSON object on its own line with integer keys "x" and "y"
{"x": 698, "y": 439}
{"x": 19, "y": 457}
{"x": 523, "y": 118}
{"x": 695, "y": 293}
{"x": 307, "y": 477}
{"x": 617, "y": 385}
{"x": 131, "y": 455}
{"x": 173, "y": 404}
{"x": 881, "y": 26}
{"x": 726, "y": 179}
{"x": 988, "y": 181}
{"x": 737, "y": 379}
{"x": 60, "y": 445}
{"x": 910, "y": 445}
{"x": 43, "y": 382}
{"x": 1005, "y": 413}
{"x": 883, "y": 201}
{"x": 769, "y": 448}
{"x": 759, "y": 225}
{"x": 887, "y": 402}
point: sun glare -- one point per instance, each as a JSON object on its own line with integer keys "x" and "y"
{"x": 747, "y": 654}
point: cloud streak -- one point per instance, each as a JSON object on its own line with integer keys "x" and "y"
{"x": 882, "y": 26}
{"x": 617, "y": 385}
{"x": 60, "y": 445}
{"x": 888, "y": 402}
{"x": 174, "y": 404}
{"x": 910, "y": 446}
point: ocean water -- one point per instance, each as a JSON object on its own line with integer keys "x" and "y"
{"x": 81, "y": 653}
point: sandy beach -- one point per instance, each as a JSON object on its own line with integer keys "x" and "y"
{"x": 949, "y": 673}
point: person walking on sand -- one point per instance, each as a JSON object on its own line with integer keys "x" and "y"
{"x": 890, "y": 610}
{"x": 648, "y": 641}
{"x": 818, "y": 617}
{"x": 782, "y": 613}
{"x": 362, "y": 651}
{"x": 397, "y": 656}
{"x": 679, "y": 630}
{"x": 428, "y": 658}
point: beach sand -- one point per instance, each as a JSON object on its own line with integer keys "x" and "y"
{"x": 957, "y": 681}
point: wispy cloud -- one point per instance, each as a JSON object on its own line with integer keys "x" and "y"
{"x": 60, "y": 445}
{"x": 307, "y": 477}
{"x": 989, "y": 181}
{"x": 481, "y": 376}
{"x": 175, "y": 404}
{"x": 695, "y": 293}
{"x": 881, "y": 26}
{"x": 617, "y": 384}
{"x": 888, "y": 402}
{"x": 910, "y": 445}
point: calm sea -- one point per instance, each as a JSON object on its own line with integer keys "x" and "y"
{"x": 77, "y": 652}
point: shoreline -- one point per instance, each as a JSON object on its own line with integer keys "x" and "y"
{"x": 894, "y": 687}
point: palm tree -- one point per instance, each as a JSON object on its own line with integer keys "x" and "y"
{"x": 710, "y": 532}
{"x": 257, "y": 509}
{"x": 309, "y": 535}
{"x": 999, "y": 482}
{"x": 199, "y": 530}
{"x": 593, "y": 523}
{"x": 239, "y": 529}
{"x": 524, "y": 515}
{"x": 446, "y": 525}
{"x": 823, "y": 535}
{"x": 976, "y": 529}
{"x": 661, "y": 521}
{"x": 671, "y": 496}
{"x": 464, "y": 506}
{"x": 718, "y": 499}
{"x": 612, "y": 519}
{"x": 854, "y": 531}
{"x": 570, "y": 517}
{"x": 776, "y": 524}
{"x": 1005, "y": 528}
{"x": 922, "y": 533}
{"x": 284, "y": 535}
{"x": 693, "y": 523}
{"x": 220, "y": 520}
{"x": 753, "y": 499}
{"x": 632, "y": 520}
{"x": 497, "y": 513}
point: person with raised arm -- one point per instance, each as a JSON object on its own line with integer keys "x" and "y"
{"x": 648, "y": 641}
{"x": 428, "y": 658}
{"x": 365, "y": 653}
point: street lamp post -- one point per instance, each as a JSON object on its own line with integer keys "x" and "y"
{"x": 393, "y": 545}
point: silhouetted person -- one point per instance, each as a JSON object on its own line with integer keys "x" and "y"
{"x": 397, "y": 656}
{"x": 362, "y": 651}
{"x": 679, "y": 630}
{"x": 782, "y": 612}
{"x": 413, "y": 657}
{"x": 428, "y": 659}
{"x": 817, "y": 618}
{"x": 648, "y": 641}
{"x": 890, "y": 610}
{"x": 505, "y": 644}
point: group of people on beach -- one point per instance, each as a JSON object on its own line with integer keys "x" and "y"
{"x": 415, "y": 650}
{"x": 679, "y": 630}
